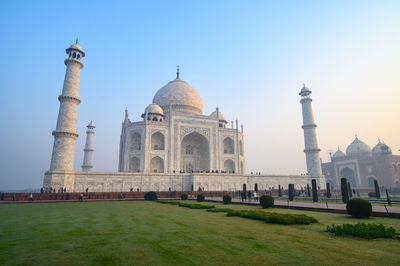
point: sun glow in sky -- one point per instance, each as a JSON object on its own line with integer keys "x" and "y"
{"x": 249, "y": 58}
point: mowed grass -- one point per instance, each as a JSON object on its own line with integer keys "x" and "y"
{"x": 136, "y": 232}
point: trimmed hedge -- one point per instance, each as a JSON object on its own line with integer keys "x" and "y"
{"x": 200, "y": 197}
{"x": 151, "y": 195}
{"x": 359, "y": 208}
{"x": 266, "y": 201}
{"x": 371, "y": 195}
{"x": 184, "y": 196}
{"x": 363, "y": 230}
{"x": 196, "y": 206}
{"x": 226, "y": 199}
{"x": 220, "y": 210}
{"x": 172, "y": 202}
{"x": 274, "y": 218}
{"x": 186, "y": 205}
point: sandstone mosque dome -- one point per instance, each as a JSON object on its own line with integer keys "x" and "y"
{"x": 154, "y": 109}
{"x": 381, "y": 148}
{"x": 181, "y": 96}
{"x": 358, "y": 147}
{"x": 338, "y": 154}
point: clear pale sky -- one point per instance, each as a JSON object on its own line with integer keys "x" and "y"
{"x": 249, "y": 58}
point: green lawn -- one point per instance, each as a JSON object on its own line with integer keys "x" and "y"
{"x": 134, "y": 232}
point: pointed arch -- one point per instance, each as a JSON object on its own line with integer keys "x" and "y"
{"x": 229, "y": 166}
{"x": 136, "y": 141}
{"x": 195, "y": 152}
{"x": 157, "y": 141}
{"x": 228, "y": 146}
{"x": 134, "y": 164}
{"x": 241, "y": 147}
{"x": 157, "y": 165}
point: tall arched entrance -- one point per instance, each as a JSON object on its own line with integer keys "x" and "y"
{"x": 349, "y": 175}
{"x": 195, "y": 153}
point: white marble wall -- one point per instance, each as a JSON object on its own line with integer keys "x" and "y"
{"x": 124, "y": 181}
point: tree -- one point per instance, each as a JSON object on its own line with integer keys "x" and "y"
{"x": 291, "y": 192}
{"x": 349, "y": 189}
{"x": 344, "y": 188}
{"x": 314, "y": 190}
{"x": 377, "y": 192}
{"x": 328, "y": 190}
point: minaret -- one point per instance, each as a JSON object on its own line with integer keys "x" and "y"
{"x": 310, "y": 139}
{"x": 65, "y": 134}
{"x": 88, "y": 150}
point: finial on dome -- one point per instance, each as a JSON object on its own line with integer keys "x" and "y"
{"x": 76, "y": 41}
{"x": 356, "y": 136}
{"x": 177, "y": 71}
{"x": 379, "y": 140}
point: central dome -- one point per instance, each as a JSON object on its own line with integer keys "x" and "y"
{"x": 181, "y": 96}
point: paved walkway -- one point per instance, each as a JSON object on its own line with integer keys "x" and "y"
{"x": 322, "y": 206}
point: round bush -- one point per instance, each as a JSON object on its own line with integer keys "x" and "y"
{"x": 184, "y": 196}
{"x": 151, "y": 195}
{"x": 359, "y": 208}
{"x": 266, "y": 201}
{"x": 200, "y": 197}
{"x": 226, "y": 199}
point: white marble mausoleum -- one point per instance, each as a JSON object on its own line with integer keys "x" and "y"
{"x": 174, "y": 147}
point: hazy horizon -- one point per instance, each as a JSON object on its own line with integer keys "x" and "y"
{"x": 248, "y": 58}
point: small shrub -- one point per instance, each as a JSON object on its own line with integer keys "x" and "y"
{"x": 371, "y": 194}
{"x": 151, "y": 195}
{"x": 184, "y": 196}
{"x": 196, "y": 206}
{"x": 220, "y": 210}
{"x": 359, "y": 208}
{"x": 200, "y": 197}
{"x": 274, "y": 218}
{"x": 266, "y": 201}
{"x": 363, "y": 230}
{"x": 226, "y": 199}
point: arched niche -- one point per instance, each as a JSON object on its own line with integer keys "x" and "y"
{"x": 157, "y": 141}
{"x": 228, "y": 146}
{"x": 195, "y": 152}
{"x": 136, "y": 142}
{"x": 229, "y": 166}
{"x": 134, "y": 164}
{"x": 157, "y": 165}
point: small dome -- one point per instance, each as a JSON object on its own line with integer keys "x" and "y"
{"x": 154, "y": 109}
{"x": 220, "y": 115}
{"x": 381, "y": 148}
{"x": 305, "y": 91}
{"x": 181, "y": 96}
{"x": 76, "y": 46}
{"x": 338, "y": 154}
{"x": 358, "y": 147}
{"x": 91, "y": 125}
